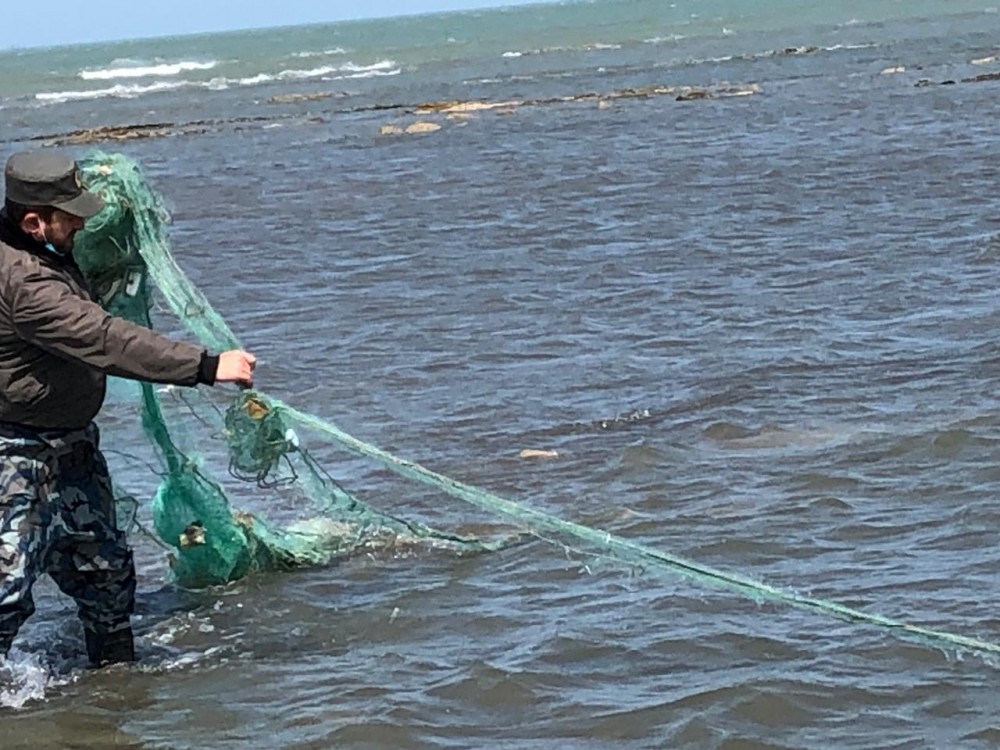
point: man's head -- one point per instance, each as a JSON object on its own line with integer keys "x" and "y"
{"x": 46, "y": 198}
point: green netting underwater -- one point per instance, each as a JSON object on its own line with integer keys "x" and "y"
{"x": 125, "y": 254}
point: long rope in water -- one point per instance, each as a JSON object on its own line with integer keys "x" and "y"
{"x": 632, "y": 552}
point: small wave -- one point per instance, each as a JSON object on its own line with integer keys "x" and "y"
{"x": 224, "y": 83}
{"x": 146, "y": 71}
{"x": 860, "y": 45}
{"x": 382, "y": 66}
{"x": 219, "y": 83}
{"x": 120, "y": 91}
{"x": 375, "y": 73}
{"x": 322, "y": 53}
{"x": 802, "y": 50}
{"x": 295, "y": 75}
{"x": 767, "y": 437}
{"x": 587, "y": 47}
{"x": 327, "y": 72}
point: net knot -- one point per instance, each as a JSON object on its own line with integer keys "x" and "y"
{"x": 258, "y": 439}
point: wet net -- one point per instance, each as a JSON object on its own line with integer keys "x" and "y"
{"x": 125, "y": 255}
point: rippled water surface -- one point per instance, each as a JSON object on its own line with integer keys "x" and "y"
{"x": 760, "y": 333}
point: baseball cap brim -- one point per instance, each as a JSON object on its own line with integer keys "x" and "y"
{"x": 85, "y": 205}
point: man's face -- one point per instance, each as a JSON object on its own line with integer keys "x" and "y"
{"x": 59, "y": 230}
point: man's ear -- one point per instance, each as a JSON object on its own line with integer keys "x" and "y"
{"x": 33, "y": 225}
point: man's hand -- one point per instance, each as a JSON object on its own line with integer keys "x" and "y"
{"x": 236, "y": 366}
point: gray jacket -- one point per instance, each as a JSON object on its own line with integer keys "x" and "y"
{"x": 57, "y": 345}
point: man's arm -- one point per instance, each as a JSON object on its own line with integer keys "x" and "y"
{"x": 48, "y": 313}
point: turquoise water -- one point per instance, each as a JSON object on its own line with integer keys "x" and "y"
{"x": 414, "y": 45}
{"x": 758, "y": 331}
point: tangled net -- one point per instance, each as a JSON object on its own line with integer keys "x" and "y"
{"x": 124, "y": 254}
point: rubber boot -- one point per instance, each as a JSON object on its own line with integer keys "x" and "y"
{"x": 109, "y": 648}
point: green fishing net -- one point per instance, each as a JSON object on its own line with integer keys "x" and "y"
{"x": 126, "y": 257}
{"x": 124, "y": 254}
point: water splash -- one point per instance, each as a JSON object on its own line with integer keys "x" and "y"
{"x": 25, "y": 678}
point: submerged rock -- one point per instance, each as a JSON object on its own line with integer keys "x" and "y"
{"x": 452, "y": 109}
{"x": 537, "y": 453}
{"x": 291, "y": 98}
{"x": 982, "y": 77}
{"x": 802, "y": 50}
{"x": 693, "y": 95}
{"x": 422, "y": 127}
{"x": 460, "y": 107}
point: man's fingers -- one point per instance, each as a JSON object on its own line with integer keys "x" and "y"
{"x": 236, "y": 366}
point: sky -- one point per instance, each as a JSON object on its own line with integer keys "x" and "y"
{"x": 58, "y": 22}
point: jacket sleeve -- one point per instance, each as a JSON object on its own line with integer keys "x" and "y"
{"x": 49, "y": 314}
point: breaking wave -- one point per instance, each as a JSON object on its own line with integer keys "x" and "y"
{"x": 145, "y": 71}
{"x": 347, "y": 70}
{"x": 121, "y": 91}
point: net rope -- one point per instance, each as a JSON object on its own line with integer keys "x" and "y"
{"x": 125, "y": 254}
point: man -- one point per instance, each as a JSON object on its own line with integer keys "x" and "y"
{"x": 57, "y": 345}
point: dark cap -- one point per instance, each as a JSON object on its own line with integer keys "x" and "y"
{"x": 49, "y": 178}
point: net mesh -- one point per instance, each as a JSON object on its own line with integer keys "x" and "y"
{"x": 125, "y": 255}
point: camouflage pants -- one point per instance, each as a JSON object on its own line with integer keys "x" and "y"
{"x": 57, "y": 516}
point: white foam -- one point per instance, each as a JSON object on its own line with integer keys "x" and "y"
{"x": 327, "y": 72}
{"x": 23, "y": 680}
{"x": 251, "y": 81}
{"x": 382, "y": 65}
{"x": 220, "y": 83}
{"x": 295, "y": 75}
{"x": 323, "y": 53}
{"x": 374, "y": 73}
{"x": 121, "y": 91}
{"x": 146, "y": 71}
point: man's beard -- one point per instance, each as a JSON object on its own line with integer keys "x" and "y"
{"x": 65, "y": 247}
